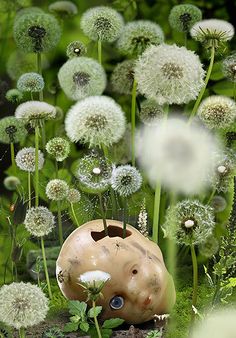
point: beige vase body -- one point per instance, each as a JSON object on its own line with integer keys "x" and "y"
{"x": 138, "y": 273}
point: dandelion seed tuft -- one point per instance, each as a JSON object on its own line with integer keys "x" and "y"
{"x": 39, "y": 221}
{"x": 229, "y": 67}
{"x": 59, "y": 148}
{"x": 75, "y": 49}
{"x": 94, "y": 173}
{"x": 14, "y": 95}
{"x": 212, "y": 32}
{"x": 138, "y": 35}
{"x": 64, "y": 9}
{"x": 11, "y": 183}
{"x": 122, "y": 77}
{"x": 102, "y": 23}
{"x": 22, "y": 305}
{"x": 12, "y": 130}
{"x": 25, "y": 159}
{"x": 30, "y": 82}
{"x": 178, "y": 76}
{"x": 210, "y": 247}
{"x": 96, "y": 120}
{"x": 73, "y": 196}
{"x": 151, "y": 113}
{"x": 36, "y": 32}
{"x": 126, "y": 180}
{"x": 82, "y": 77}
{"x": 189, "y": 222}
{"x": 183, "y": 17}
{"x": 218, "y": 203}
{"x": 57, "y": 190}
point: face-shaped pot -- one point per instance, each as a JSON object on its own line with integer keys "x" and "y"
{"x": 140, "y": 286}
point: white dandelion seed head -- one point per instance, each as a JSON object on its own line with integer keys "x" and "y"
{"x": 126, "y": 180}
{"x": 217, "y": 111}
{"x": 94, "y": 173}
{"x": 82, "y": 77}
{"x": 39, "y": 221}
{"x": 210, "y": 247}
{"x": 57, "y": 189}
{"x": 122, "y": 77}
{"x": 94, "y": 276}
{"x": 96, "y": 120}
{"x": 151, "y": 112}
{"x": 180, "y": 156}
{"x": 224, "y": 171}
{"x": 22, "y": 305}
{"x": 30, "y": 82}
{"x": 178, "y": 76}
{"x": 229, "y": 67}
{"x": 212, "y": 32}
{"x": 103, "y": 23}
{"x": 35, "y": 110}
{"x": 25, "y": 159}
{"x": 219, "y": 323}
{"x": 59, "y": 148}
{"x": 189, "y": 222}
{"x": 73, "y": 196}
{"x": 138, "y": 35}
{"x": 11, "y": 182}
{"x": 218, "y": 203}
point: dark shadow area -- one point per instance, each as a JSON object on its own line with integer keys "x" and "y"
{"x": 113, "y": 231}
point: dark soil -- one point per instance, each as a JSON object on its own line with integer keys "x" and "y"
{"x": 137, "y": 331}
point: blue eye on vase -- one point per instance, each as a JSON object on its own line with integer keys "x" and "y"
{"x": 117, "y": 302}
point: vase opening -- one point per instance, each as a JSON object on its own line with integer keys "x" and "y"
{"x": 113, "y": 231}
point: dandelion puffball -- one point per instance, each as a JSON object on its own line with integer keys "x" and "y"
{"x": 229, "y": 67}
{"x": 30, "y": 82}
{"x": 22, "y": 305}
{"x": 82, "y": 77}
{"x": 217, "y": 111}
{"x": 59, "y": 148}
{"x": 57, "y": 189}
{"x": 102, "y": 23}
{"x": 126, "y": 180}
{"x": 25, "y": 159}
{"x": 96, "y": 120}
{"x": 12, "y": 130}
{"x": 212, "y": 32}
{"x": 34, "y": 111}
{"x": 180, "y": 156}
{"x": 183, "y": 17}
{"x": 178, "y": 75}
{"x": 138, "y": 35}
{"x": 39, "y": 221}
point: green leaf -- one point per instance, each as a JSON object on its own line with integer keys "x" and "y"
{"x": 224, "y": 88}
{"x": 70, "y": 327}
{"x": 76, "y": 307}
{"x": 94, "y": 311}
{"x": 84, "y": 326}
{"x": 217, "y": 73}
{"x": 112, "y": 323}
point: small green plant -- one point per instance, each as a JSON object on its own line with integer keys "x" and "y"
{"x": 154, "y": 334}
{"x": 53, "y": 332}
{"x": 81, "y": 319}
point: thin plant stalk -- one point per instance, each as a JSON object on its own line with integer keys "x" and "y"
{"x": 39, "y": 66}
{"x": 133, "y": 112}
{"x": 195, "y": 278}
{"x": 124, "y": 216}
{"x": 95, "y": 320}
{"x": 36, "y": 166}
{"x": 198, "y": 101}
{"x": 103, "y": 214}
{"x": 74, "y": 215}
{"x": 46, "y": 268}
{"x": 13, "y": 156}
{"x": 100, "y": 51}
{"x": 29, "y": 190}
{"x": 211, "y": 196}
{"x": 22, "y": 332}
{"x": 56, "y": 168}
{"x": 59, "y": 222}
{"x": 156, "y": 213}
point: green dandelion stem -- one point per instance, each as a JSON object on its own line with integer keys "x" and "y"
{"x": 46, "y": 268}
{"x": 133, "y": 111}
{"x": 100, "y": 51}
{"x": 124, "y": 216}
{"x": 105, "y": 151}
{"x": 39, "y": 67}
{"x": 95, "y": 320}
{"x": 74, "y": 215}
{"x": 31, "y": 96}
{"x": 156, "y": 213}
{"x": 22, "y": 332}
{"x": 56, "y": 168}
{"x": 29, "y": 190}
{"x": 13, "y": 156}
{"x": 211, "y": 196}
{"x": 37, "y": 166}
{"x": 198, "y": 101}
{"x": 103, "y": 214}
{"x": 59, "y": 222}
{"x": 195, "y": 278}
